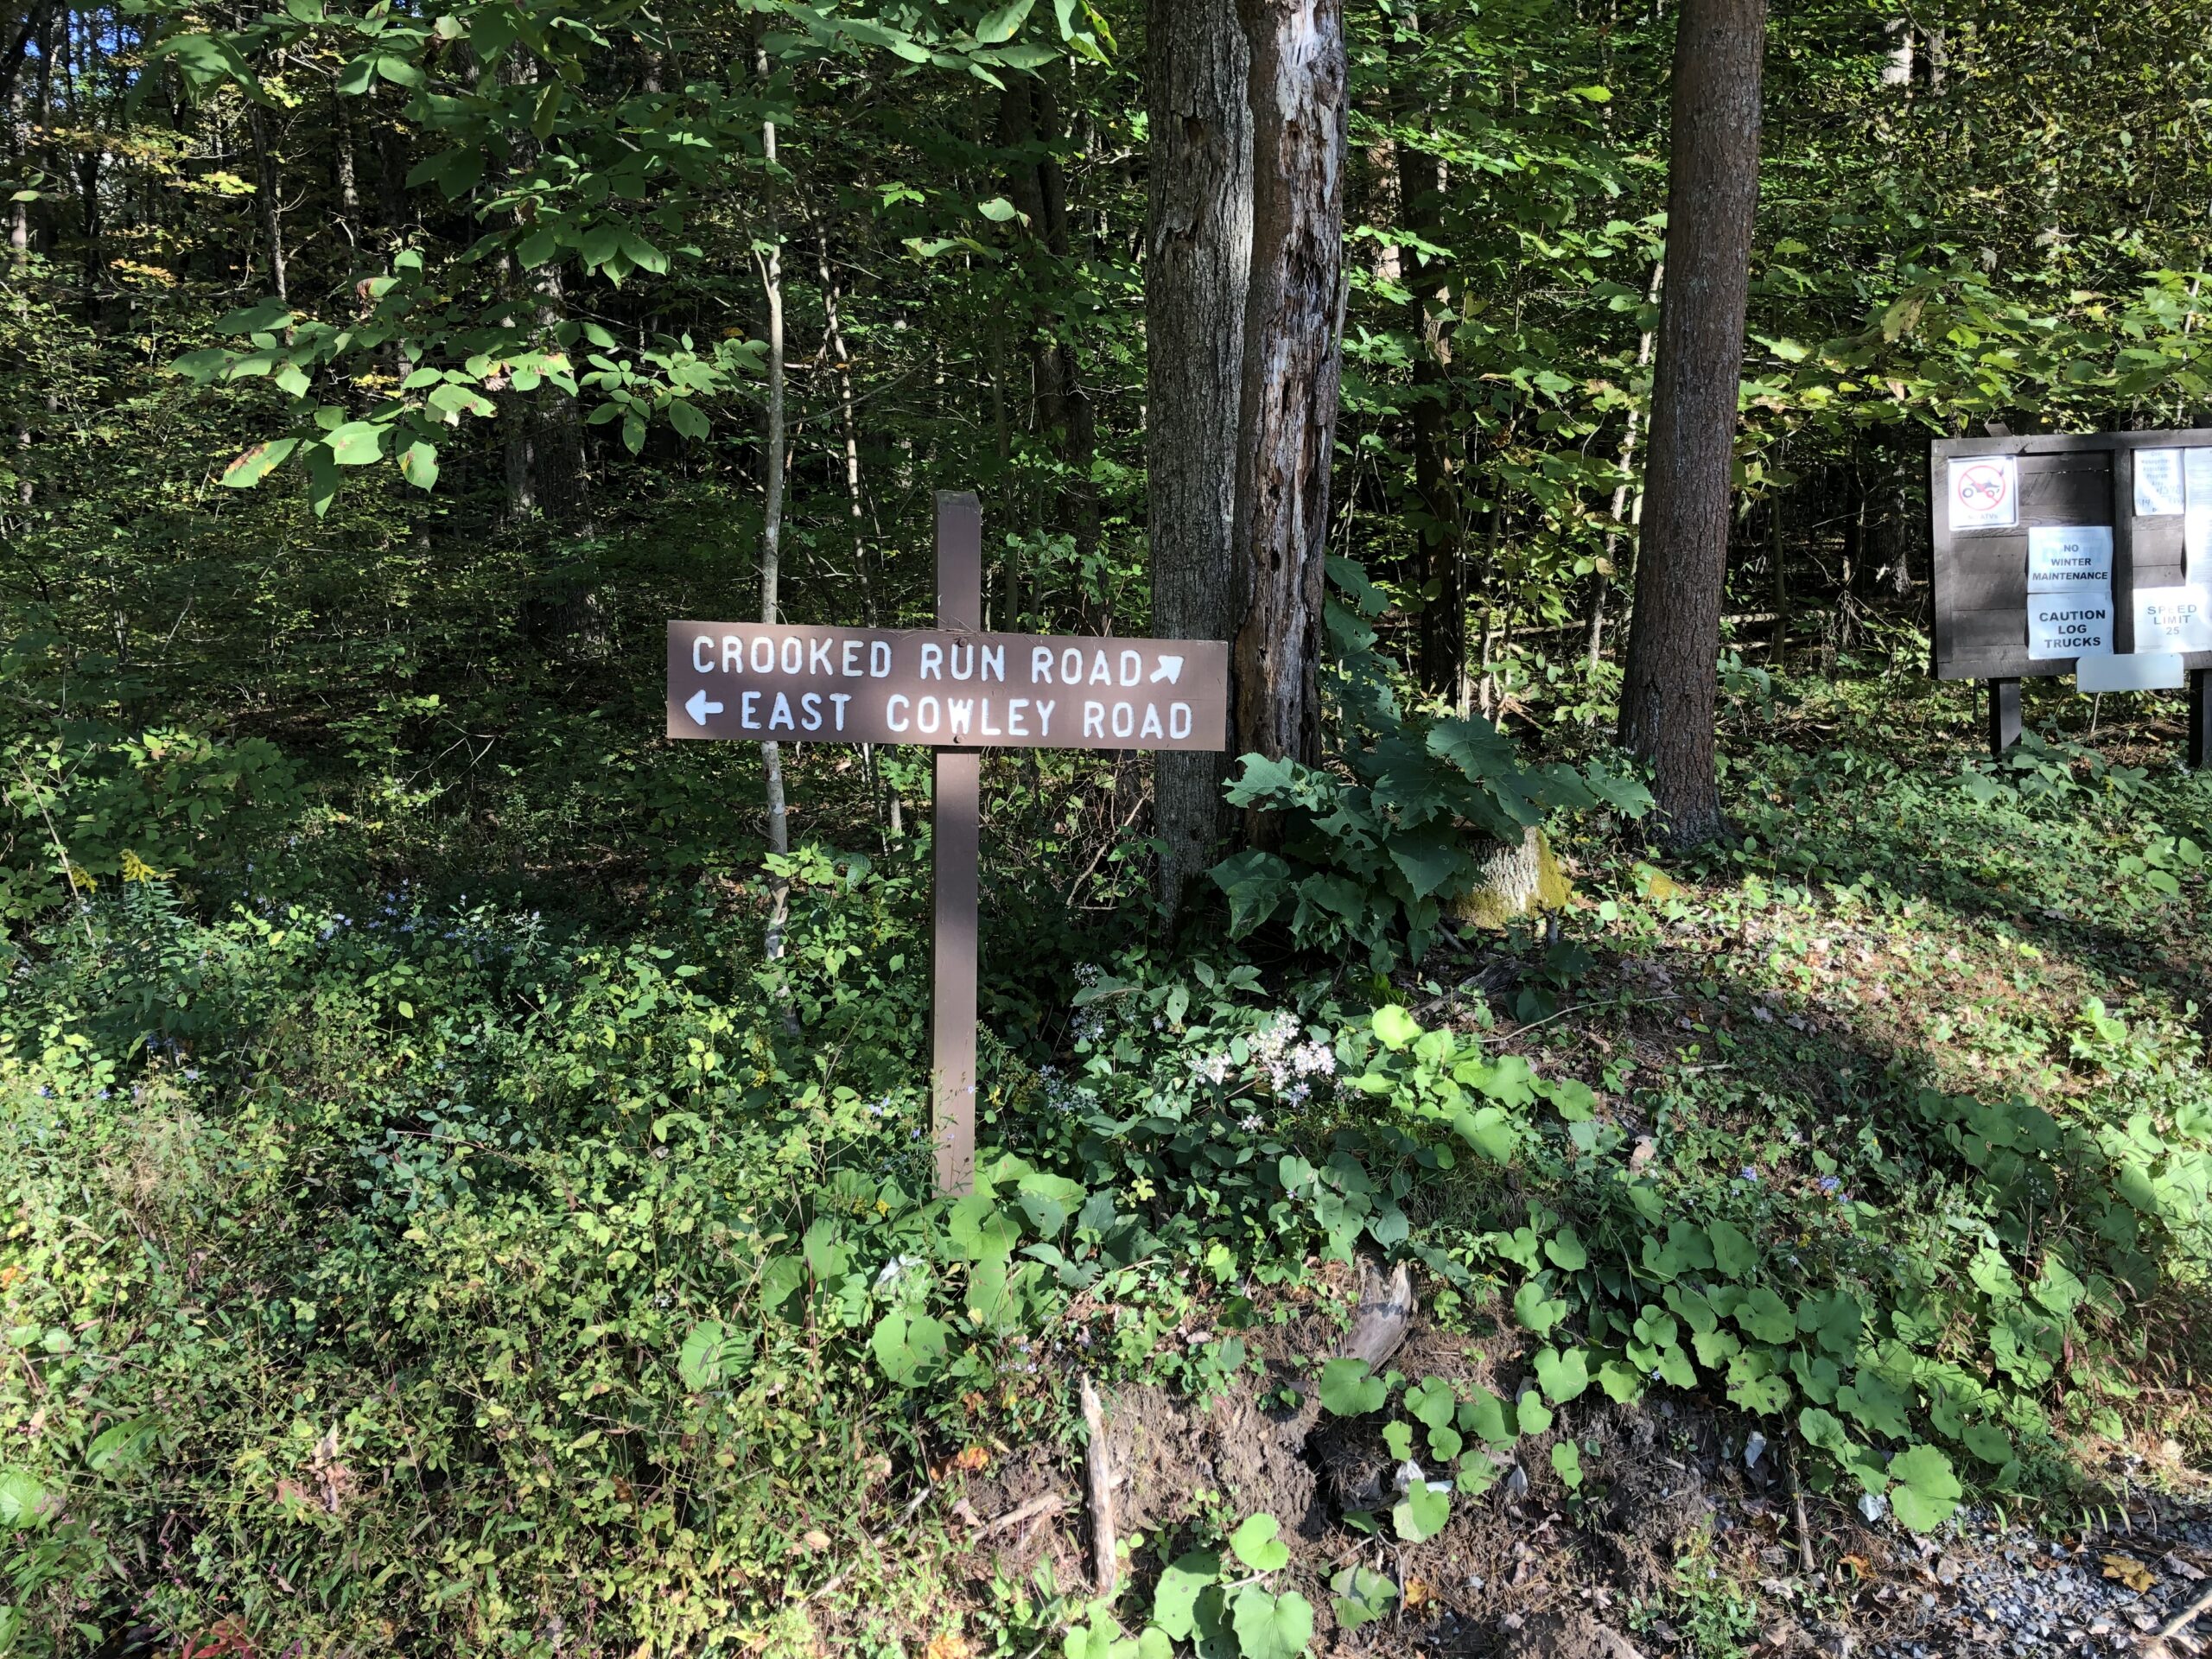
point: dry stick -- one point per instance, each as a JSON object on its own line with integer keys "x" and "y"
{"x": 1806, "y": 1559}
{"x": 2180, "y": 1622}
{"x": 1102, "y": 1489}
{"x": 68, "y": 870}
{"x": 1045, "y": 1504}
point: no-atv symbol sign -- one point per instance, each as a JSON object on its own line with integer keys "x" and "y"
{"x": 1985, "y": 493}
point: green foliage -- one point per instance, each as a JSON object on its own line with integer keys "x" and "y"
{"x": 1373, "y": 854}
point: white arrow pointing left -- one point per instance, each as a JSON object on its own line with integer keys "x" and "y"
{"x": 699, "y": 708}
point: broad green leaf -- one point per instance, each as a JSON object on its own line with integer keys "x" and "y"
{"x": 1537, "y": 1311}
{"x": 906, "y": 1345}
{"x": 1257, "y": 1546}
{"x": 355, "y": 443}
{"x": 1175, "y": 1599}
{"x": 1533, "y": 1414}
{"x": 1484, "y": 1414}
{"x": 1991, "y": 1443}
{"x": 1003, "y": 22}
{"x": 1562, "y": 1376}
{"x": 1431, "y": 1401}
{"x": 1927, "y": 1490}
{"x": 1566, "y": 1251}
{"x": 1766, "y": 1316}
{"x": 1394, "y": 1026}
{"x": 1567, "y": 1460}
{"x": 419, "y": 465}
{"x": 1421, "y": 1513}
{"x": 255, "y": 464}
{"x": 1347, "y": 1389}
{"x": 1362, "y": 1596}
{"x": 1734, "y": 1256}
{"x": 1271, "y": 1626}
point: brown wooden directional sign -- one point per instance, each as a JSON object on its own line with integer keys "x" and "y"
{"x": 957, "y": 689}
{"x": 945, "y": 688}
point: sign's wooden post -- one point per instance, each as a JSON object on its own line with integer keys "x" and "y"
{"x": 960, "y": 691}
{"x": 2200, "y": 719}
{"x": 955, "y": 828}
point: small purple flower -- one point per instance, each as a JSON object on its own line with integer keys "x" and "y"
{"x": 1749, "y": 1175}
{"x": 1828, "y": 1184}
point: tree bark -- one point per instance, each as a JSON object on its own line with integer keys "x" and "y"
{"x": 1442, "y": 659}
{"x": 1667, "y": 700}
{"x": 1286, "y": 429}
{"x": 1625, "y": 460}
{"x": 265, "y": 187}
{"x": 772, "y": 528}
{"x": 1197, "y": 268}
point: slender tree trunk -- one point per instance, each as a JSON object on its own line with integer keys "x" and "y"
{"x": 1442, "y": 659}
{"x": 771, "y": 526}
{"x": 1778, "y": 543}
{"x": 265, "y": 186}
{"x": 1198, "y": 265}
{"x": 1292, "y": 311}
{"x": 1668, "y": 700}
{"x": 349, "y": 196}
{"x": 1624, "y": 460}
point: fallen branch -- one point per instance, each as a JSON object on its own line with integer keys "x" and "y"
{"x": 2180, "y": 1622}
{"x": 1045, "y": 1504}
{"x": 1100, "y": 1478}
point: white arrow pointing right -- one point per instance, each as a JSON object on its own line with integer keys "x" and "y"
{"x": 1170, "y": 669}
{"x": 699, "y": 708}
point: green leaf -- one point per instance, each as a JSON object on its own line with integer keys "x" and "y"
{"x": 1271, "y": 1626}
{"x": 1421, "y": 1513}
{"x": 1766, "y": 1316}
{"x": 1561, "y": 1376}
{"x": 1734, "y": 1256}
{"x": 1484, "y": 1414}
{"x": 1989, "y": 1443}
{"x": 1567, "y": 1460}
{"x": 686, "y": 419}
{"x": 1431, "y": 1401}
{"x": 1347, "y": 1391}
{"x": 1621, "y": 1380}
{"x": 1394, "y": 1026}
{"x": 1878, "y": 1408}
{"x": 255, "y": 464}
{"x": 907, "y": 1344}
{"x": 1256, "y": 883}
{"x": 22, "y": 1500}
{"x": 355, "y": 443}
{"x": 1257, "y": 1546}
{"x": 1398, "y": 1440}
{"x": 1566, "y": 1250}
{"x": 998, "y": 210}
{"x": 1004, "y": 22}
{"x": 699, "y": 1363}
{"x": 1535, "y": 1311}
{"x": 419, "y": 466}
{"x": 1927, "y": 1490}
{"x": 1534, "y": 1416}
{"x": 1175, "y": 1599}
{"x": 1362, "y": 1597}
{"x": 1490, "y": 1132}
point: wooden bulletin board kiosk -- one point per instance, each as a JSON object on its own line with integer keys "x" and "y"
{"x": 2089, "y": 554}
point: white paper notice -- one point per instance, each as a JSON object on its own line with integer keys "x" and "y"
{"x": 1985, "y": 493}
{"x": 2158, "y": 483}
{"x": 2075, "y": 624}
{"x": 2197, "y": 529}
{"x": 2066, "y": 556}
{"x": 2173, "y": 619}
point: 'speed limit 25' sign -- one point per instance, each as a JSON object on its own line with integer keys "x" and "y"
{"x": 959, "y": 691}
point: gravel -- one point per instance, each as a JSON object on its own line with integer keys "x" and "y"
{"x": 1976, "y": 1589}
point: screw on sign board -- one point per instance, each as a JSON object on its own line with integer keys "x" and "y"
{"x": 2087, "y": 553}
{"x": 960, "y": 690}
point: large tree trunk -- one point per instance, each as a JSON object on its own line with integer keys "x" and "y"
{"x": 1198, "y": 267}
{"x": 1293, "y": 309}
{"x": 771, "y": 529}
{"x": 1666, "y": 701}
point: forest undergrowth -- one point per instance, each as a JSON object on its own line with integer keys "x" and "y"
{"x": 396, "y": 1264}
